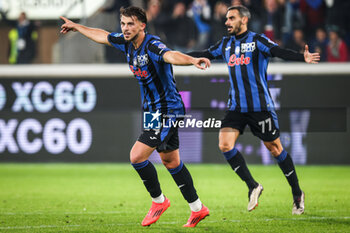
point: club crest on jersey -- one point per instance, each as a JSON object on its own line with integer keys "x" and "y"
{"x": 247, "y": 47}
{"x": 142, "y": 59}
{"x": 237, "y": 50}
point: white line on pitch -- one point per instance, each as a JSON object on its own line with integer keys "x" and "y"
{"x": 63, "y": 213}
{"x": 167, "y": 223}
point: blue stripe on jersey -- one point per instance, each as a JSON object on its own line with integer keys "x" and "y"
{"x": 232, "y": 101}
{"x": 274, "y": 117}
{"x": 235, "y": 97}
{"x": 165, "y": 131}
{"x": 242, "y": 94}
{"x": 252, "y": 81}
{"x": 246, "y": 79}
{"x": 253, "y": 85}
{"x": 263, "y": 70}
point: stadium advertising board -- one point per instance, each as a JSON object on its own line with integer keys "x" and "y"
{"x": 50, "y": 9}
{"x": 99, "y": 119}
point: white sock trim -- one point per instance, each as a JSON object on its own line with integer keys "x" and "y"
{"x": 196, "y": 205}
{"x": 159, "y": 199}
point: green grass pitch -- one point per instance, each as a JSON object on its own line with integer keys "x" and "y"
{"x": 111, "y": 198}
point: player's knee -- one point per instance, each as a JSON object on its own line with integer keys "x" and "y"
{"x": 274, "y": 150}
{"x": 135, "y": 157}
{"x": 170, "y": 163}
{"x": 224, "y": 146}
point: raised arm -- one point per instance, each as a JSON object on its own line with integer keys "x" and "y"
{"x": 178, "y": 58}
{"x": 95, "y": 34}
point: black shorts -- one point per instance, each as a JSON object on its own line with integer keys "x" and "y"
{"x": 164, "y": 139}
{"x": 263, "y": 124}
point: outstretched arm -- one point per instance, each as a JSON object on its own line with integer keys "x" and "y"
{"x": 291, "y": 55}
{"x": 178, "y": 58}
{"x": 95, "y": 34}
{"x": 204, "y": 53}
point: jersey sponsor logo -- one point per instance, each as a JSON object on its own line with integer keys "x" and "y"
{"x": 247, "y": 47}
{"x": 139, "y": 72}
{"x": 142, "y": 59}
{"x": 238, "y": 60}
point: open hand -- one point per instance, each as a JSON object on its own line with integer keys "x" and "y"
{"x": 311, "y": 57}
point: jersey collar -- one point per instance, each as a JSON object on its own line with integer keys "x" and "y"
{"x": 241, "y": 36}
{"x": 141, "y": 45}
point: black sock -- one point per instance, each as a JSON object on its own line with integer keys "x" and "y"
{"x": 149, "y": 177}
{"x": 184, "y": 181}
{"x": 285, "y": 162}
{"x": 238, "y": 164}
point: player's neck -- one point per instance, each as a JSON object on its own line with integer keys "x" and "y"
{"x": 241, "y": 34}
{"x": 138, "y": 41}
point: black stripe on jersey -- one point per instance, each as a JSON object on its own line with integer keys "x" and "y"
{"x": 155, "y": 49}
{"x": 151, "y": 96}
{"x": 215, "y": 47}
{"x": 264, "y": 41}
{"x": 130, "y": 50}
{"x": 234, "y": 78}
{"x": 255, "y": 60}
{"x": 246, "y": 84}
{"x": 157, "y": 81}
{"x": 116, "y": 40}
{"x": 223, "y": 49}
{"x": 126, "y": 48}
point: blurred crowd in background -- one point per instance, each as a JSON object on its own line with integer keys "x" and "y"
{"x": 196, "y": 24}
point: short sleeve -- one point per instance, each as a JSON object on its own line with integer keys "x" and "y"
{"x": 264, "y": 44}
{"x": 216, "y": 50}
{"x": 117, "y": 40}
{"x": 157, "y": 50}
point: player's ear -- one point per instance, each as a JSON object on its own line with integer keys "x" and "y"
{"x": 143, "y": 26}
{"x": 245, "y": 20}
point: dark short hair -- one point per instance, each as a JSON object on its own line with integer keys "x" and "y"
{"x": 138, "y": 12}
{"x": 242, "y": 10}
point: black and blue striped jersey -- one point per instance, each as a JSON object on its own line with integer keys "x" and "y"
{"x": 157, "y": 83}
{"x": 247, "y": 57}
